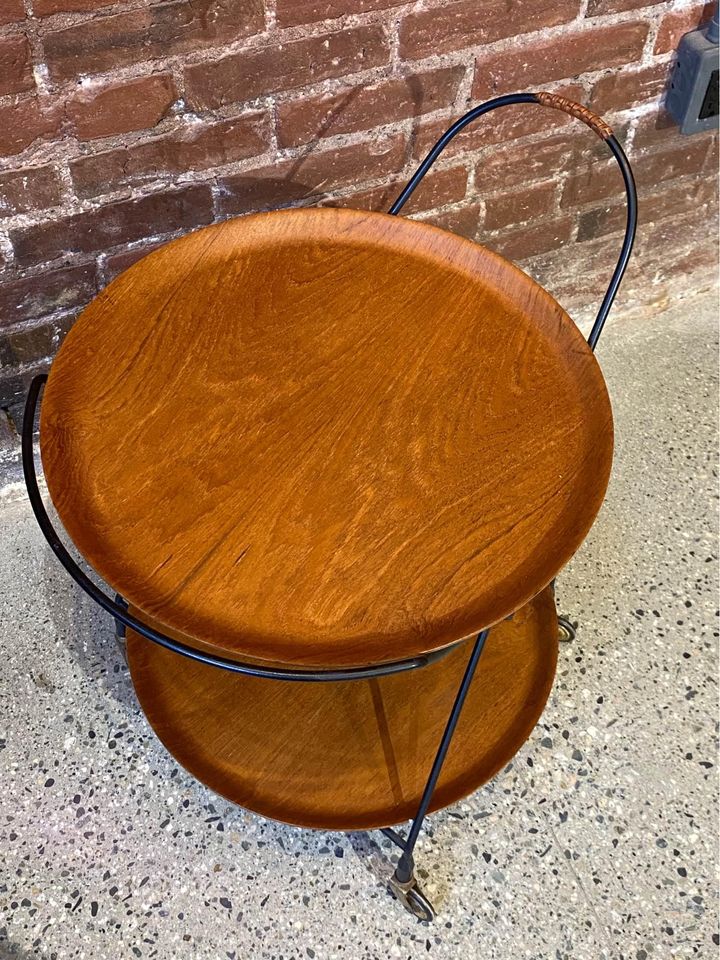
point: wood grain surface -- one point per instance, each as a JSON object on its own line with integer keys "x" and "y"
{"x": 353, "y": 755}
{"x": 326, "y": 437}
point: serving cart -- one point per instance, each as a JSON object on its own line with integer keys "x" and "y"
{"x": 327, "y": 460}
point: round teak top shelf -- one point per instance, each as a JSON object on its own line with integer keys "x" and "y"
{"x": 325, "y": 437}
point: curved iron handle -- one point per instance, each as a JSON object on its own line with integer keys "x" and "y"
{"x": 600, "y": 128}
{"x": 121, "y": 614}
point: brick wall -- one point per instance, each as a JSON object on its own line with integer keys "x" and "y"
{"x": 123, "y": 124}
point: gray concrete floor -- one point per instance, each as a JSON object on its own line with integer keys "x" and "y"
{"x": 597, "y": 841}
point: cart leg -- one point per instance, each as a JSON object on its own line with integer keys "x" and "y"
{"x": 403, "y": 883}
{"x": 120, "y": 627}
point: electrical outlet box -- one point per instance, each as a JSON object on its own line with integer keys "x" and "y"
{"x": 692, "y": 99}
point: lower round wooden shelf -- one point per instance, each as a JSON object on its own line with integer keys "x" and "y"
{"x": 351, "y": 755}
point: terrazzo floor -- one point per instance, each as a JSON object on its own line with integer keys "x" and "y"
{"x": 598, "y": 841}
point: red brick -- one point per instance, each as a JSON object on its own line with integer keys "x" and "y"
{"x": 119, "y": 262}
{"x": 291, "y": 13}
{"x": 291, "y": 181}
{"x": 577, "y": 274}
{"x": 453, "y": 26}
{"x": 115, "y": 223}
{"x": 159, "y": 30}
{"x": 660, "y": 128}
{"x": 520, "y": 163}
{"x": 677, "y": 22}
{"x": 363, "y": 106}
{"x": 16, "y": 75}
{"x": 619, "y": 90}
{"x": 678, "y": 160}
{"x": 499, "y": 126}
{"x": 598, "y": 8}
{"x": 603, "y": 180}
{"x": 531, "y": 240}
{"x": 36, "y": 296}
{"x": 513, "y": 208}
{"x": 663, "y": 241}
{"x": 24, "y": 122}
{"x": 676, "y": 200}
{"x": 45, "y": 8}
{"x": 438, "y": 188}
{"x": 11, "y": 11}
{"x": 372, "y": 198}
{"x": 463, "y": 221}
{"x": 522, "y": 67}
{"x": 712, "y": 161}
{"x": 282, "y": 66}
{"x": 29, "y": 344}
{"x": 103, "y": 111}
{"x": 32, "y": 188}
{"x": 196, "y": 146}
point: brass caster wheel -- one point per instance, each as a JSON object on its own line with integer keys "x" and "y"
{"x": 412, "y": 898}
{"x": 566, "y": 631}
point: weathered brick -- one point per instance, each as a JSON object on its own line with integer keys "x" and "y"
{"x": 497, "y": 127}
{"x": 376, "y": 198}
{"x": 36, "y": 296}
{"x": 282, "y": 66}
{"x": 461, "y": 24}
{"x": 291, "y": 13}
{"x": 121, "y": 222}
{"x": 660, "y": 128}
{"x": 158, "y": 30}
{"x": 14, "y": 388}
{"x": 291, "y": 181}
{"x": 463, "y": 221}
{"x": 31, "y": 188}
{"x": 680, "y": 198}
{"x": 712, "y": 161}
{"x": 532, "y": 239}
{"x": 25, "y": 121}
{"x": 598, "y": 8}
{"x": 118, "y": 262}
{"x": 592, "y": 183}
{"x": 11, "y": 11}
{"x": 519, "y": 163}
{"x": 45, "y": 8}
{"x": 513, "y": 208}
{"x": 439, "y": 187}
{"x": 602, "y": 180}
{"x": 678, "y": 160}
{"x": 195, "y": 146}
{"x": 559, "y": 58}
{"x": 677, "y": 22}
{"x": 31, "y": 343}
{"x": 16, "y": 75}
{"x": 103, "y": 110}
{"x": 364, "y": 106}
{"x": 619, "y": 90}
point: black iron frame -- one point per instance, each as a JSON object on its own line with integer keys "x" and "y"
{"x": 403, "y": 883}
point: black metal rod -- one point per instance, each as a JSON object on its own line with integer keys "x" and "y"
{"x": 405, "y": 866}
{"x": 121, "y": 615}
{"x": 628, "y": 241}
{"x": 394, "y": 836}
{"x": 618, "y": 153}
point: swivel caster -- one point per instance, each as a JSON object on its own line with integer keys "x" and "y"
{"x": 566, "y": 631}
{"x": 412, "y": 898}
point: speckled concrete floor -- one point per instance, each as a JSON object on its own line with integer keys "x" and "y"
{"x": 598, "y": 841}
